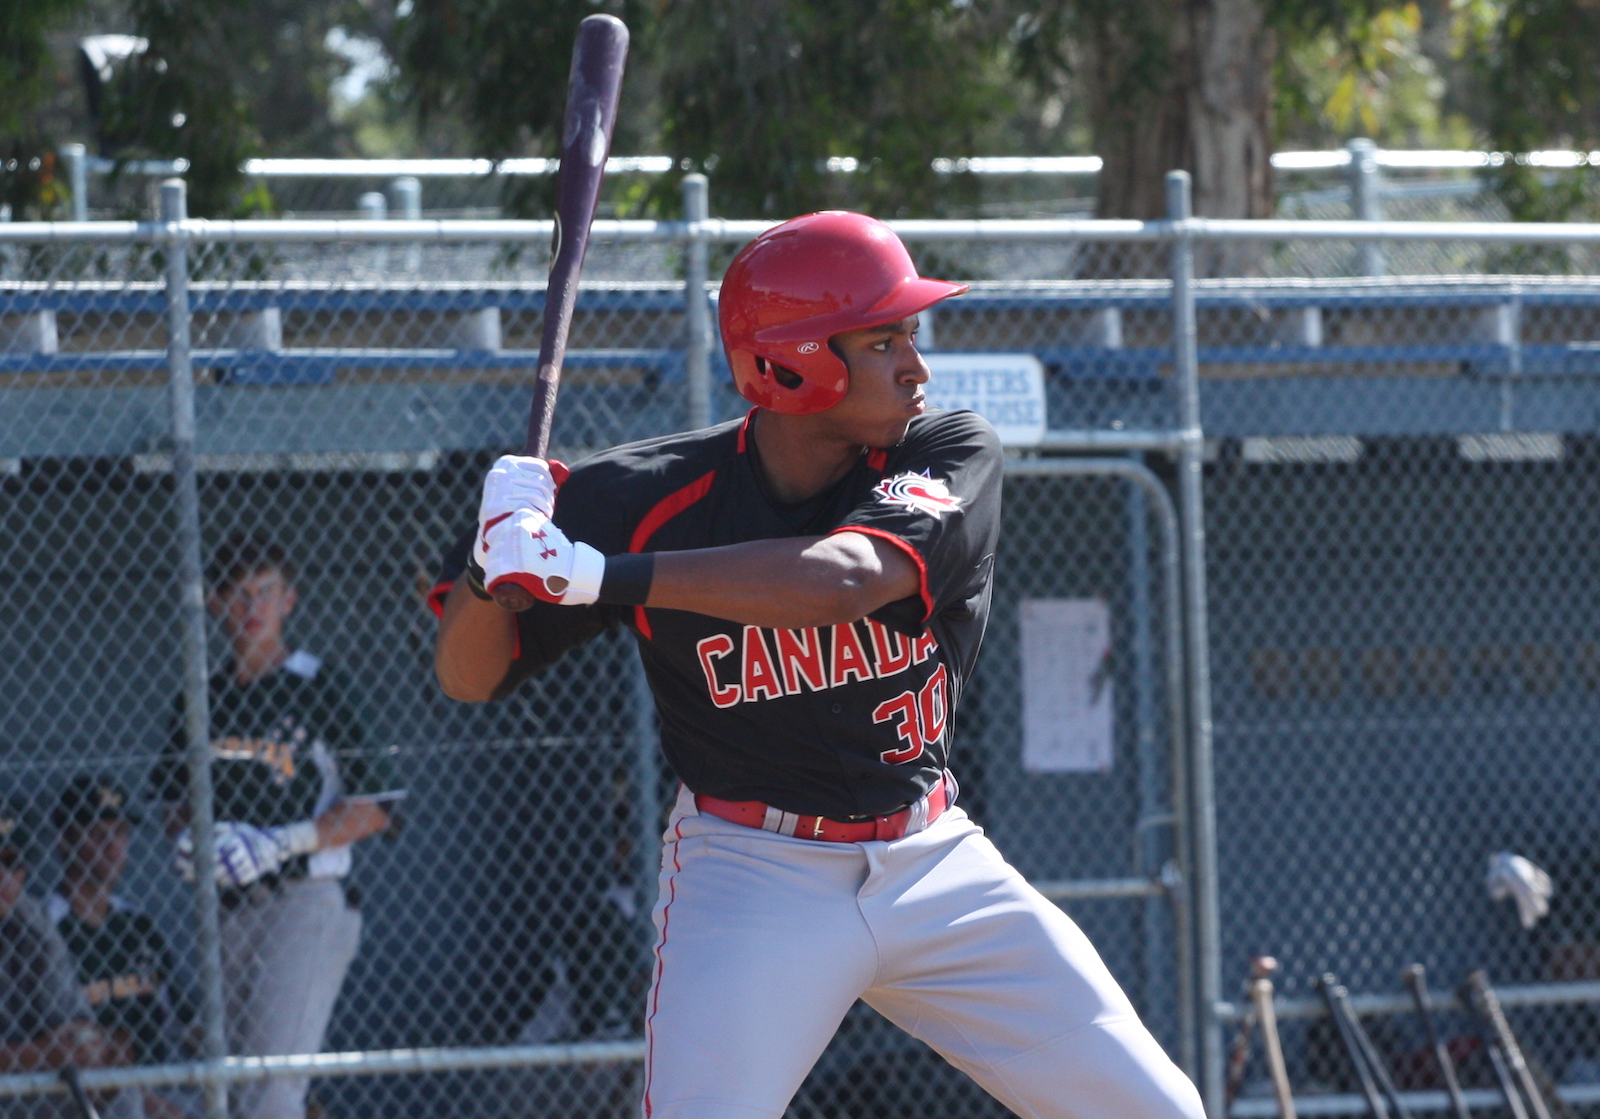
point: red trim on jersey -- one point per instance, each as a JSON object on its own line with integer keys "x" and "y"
{"x": 744, "y": 430}
{"x": 877, "y": 459}
{"x": 665, "y": 509}
{"x": 906, "y": 547}
{"x": 655, "y": 986}
{"x": 437, "y": 596}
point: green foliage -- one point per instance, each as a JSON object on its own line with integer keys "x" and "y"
{"x": 28, "y": 184}
{"x": 1539, "y": 64}
{"x": 764, "y": 92}
{"x": 26, "y": 65}
{"x": 1372, "y": 77}
{"x": 499, "y": 68}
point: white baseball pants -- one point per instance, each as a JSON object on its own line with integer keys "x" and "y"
{"x": 284, "y": 959}
{"x": 765, "y": 941}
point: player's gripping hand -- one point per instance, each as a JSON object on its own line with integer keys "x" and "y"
{"x": 516, "y": 542}
{"x": 246, "y": 853}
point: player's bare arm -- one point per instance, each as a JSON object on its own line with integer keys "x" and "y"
{"x": 788, "y": 583}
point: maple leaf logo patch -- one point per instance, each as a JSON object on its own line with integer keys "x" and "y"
{"x": 920, "y": 492}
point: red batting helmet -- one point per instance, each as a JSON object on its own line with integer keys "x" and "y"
{"x": 800, "y": 283}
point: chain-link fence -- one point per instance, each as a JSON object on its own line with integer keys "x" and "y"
{"x": 181, "y": 392}
{"x": 1392, "y": 470}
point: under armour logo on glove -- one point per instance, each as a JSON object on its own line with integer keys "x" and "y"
{"x": 534, "y": 554}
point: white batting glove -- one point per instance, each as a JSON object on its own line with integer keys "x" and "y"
{"x": 516, "y": 543}
{"x": 531, "y": 552}
{"x": 514, "y": 484}
{"x": 246, "y": 853}
{"x": 1512, "y": 876}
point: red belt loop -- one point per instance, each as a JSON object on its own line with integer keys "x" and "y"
{"x": 910, "y": 820}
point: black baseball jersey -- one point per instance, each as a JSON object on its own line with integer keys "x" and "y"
{"x": 283, "y": 748}
{"x": 123, "y": 969}
{"x": 845, "y": 721}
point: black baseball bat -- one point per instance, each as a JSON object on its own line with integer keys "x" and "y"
{"x": 1486, "y": 1004}
{"x": 1415, "y": 978}
{"x": 74, "y": 1082}
{"x": 1335, "y": 997}
{"x": 1375, "y": 1060}
{"x": 1497, "y": 1056}
{"x": 593, "y": 89}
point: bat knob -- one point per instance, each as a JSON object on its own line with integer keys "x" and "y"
{"x": 1262, "y": 967}
{"x": 513, "y": 598}
{"x": 1413, "y": 975}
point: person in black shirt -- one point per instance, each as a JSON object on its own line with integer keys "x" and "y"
{"x": 808, "y": 588}
{"x": 297, "y": 781}
{"x": 123, "y": 964}
{"x": 45, "y": 1023}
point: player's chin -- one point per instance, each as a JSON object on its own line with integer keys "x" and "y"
{"x": 890, "y": 435}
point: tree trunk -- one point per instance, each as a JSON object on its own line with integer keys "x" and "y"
{"x": 1182, "y": 84}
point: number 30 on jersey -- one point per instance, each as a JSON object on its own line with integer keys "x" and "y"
{"x": 920, "y": 717}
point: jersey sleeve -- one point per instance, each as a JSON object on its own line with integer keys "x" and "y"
{"x": 939, "y": 501}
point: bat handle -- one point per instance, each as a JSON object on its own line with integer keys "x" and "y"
{"x": 513, "y": 598}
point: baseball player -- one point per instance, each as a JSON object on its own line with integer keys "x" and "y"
{"x": 296, "y": 782}
{"x": 45, "y": 1023}
{"x": 124, "y": 965}
{"x": 808, "y": 587}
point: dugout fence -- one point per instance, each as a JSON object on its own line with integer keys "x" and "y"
{"x": 1372, "y": 441}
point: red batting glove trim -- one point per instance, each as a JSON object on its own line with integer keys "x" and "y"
{"x": 436, "y": 598}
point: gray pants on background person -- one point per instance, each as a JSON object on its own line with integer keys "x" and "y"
{"x": 285, "y": 953}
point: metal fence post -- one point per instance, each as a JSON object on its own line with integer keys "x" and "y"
{"x": 192, "y": 615}
{"x": 75, "y": 162}
{"x": 375, "y": 207}
{"x": 697, "y": 308}
{"x": 406, "y": 194}
{"x": 1208, "y": 982}
{"x": 1366, "y": 199}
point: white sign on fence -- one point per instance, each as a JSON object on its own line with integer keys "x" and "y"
{"x": 1066, "y": 685}
{"x": 1005, "y": 389}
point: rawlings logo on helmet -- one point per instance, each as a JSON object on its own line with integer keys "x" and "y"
{"x": 808, "y": 347}
{"x": 920, "y": 492}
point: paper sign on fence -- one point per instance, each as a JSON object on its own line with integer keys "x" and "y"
{"x": 1066, "y": 685}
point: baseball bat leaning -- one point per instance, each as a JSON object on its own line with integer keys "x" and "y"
{"x": 1337, "y": 1000}
{"x": 1261, "y": 997}
{"x": 1415, "y": 978}
{"x": 593, "y": 89}
{"x": 74, "y": 1082}
{"x": 1261, "y": 967}
{"x": 1514, "y": 1068}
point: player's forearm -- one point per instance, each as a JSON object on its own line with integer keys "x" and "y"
{"x": 476, "y": 644}
{"x": 349, "y": 821}
{"x": 788, "y": 583}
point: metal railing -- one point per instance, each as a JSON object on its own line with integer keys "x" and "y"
{"x": 1181, "y": 512}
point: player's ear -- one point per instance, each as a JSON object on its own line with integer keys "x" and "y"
{"x": 290, "y": 598}
{"x": 214, "y": 604}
